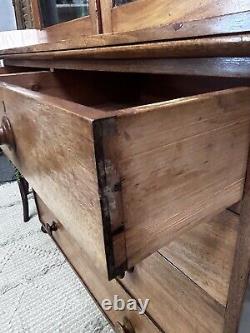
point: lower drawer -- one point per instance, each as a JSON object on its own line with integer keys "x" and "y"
{"x": 97, "y": 284}
{"x": 186, "y": 283}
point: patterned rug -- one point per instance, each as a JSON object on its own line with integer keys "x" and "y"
{"x": 38, "y": 290}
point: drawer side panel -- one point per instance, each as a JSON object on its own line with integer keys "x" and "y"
{"x": 179, "y": 162}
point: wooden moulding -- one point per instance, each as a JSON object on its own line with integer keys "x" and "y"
{"x": 230, "y": 67}
{"x": 226, "y": 24}
{"x": 230, "y": 46}
{"x": 37, "y": 24}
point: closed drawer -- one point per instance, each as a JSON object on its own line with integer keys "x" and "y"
{"x": 96, "y": 282}
{"x": 186, "y": 282}
{"x": 124, "y": 178}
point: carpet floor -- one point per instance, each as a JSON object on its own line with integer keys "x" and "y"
{"x": 38, "y": 290}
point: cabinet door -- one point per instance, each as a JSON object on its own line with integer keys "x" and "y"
{"x": 64, "y": 19}
{"x": 130, "y": 15}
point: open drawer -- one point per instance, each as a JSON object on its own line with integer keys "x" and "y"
{"x": 124, "y": 169}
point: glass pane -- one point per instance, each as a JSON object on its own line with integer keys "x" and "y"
{"x": 57, "y": 11}
{"x": 120, "y": 2}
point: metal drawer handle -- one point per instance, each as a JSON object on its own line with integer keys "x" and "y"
{"x": 6, "y": 134}
{"x": 48, "y": 229}
{"x": 126, "y": 327}
{"x": 122, "y": 275}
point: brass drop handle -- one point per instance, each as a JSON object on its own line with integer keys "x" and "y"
{"x": 6, "y": 134}
{"x": 125, "y": 327}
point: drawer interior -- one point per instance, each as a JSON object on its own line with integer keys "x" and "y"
{"x": 116, "y": 91}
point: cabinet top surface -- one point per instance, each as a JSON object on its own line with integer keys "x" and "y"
{"x": 229, "y": 32}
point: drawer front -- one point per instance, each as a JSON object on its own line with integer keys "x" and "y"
{"x": 55, "y": 152}
{"x": 187, "y": 290}
{"x": 125, "y": 183}
{"x": 94, "y": 280}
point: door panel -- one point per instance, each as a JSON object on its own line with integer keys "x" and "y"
{"x": 59, "y": 11}
{"x": 127, "y": 15}
{"x": 64, "y": 19}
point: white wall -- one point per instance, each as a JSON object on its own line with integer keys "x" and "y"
{"x": 7, "y": 16}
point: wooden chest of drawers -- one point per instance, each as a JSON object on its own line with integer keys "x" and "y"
{"x": 136, "y": 143}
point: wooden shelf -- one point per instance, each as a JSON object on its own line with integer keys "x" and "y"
{"x": 187, "y": 282}
{"x": 205, "y": 254}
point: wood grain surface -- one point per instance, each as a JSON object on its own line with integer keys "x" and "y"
{"x": 241, "y": 265}
{"x": 231, "y": 46}
{"x": 176, "y": 162}
{"x": 230, "y": 67}
{"x": 180, "y": 299}
{"x": 136, "y": 178}
{"x": 226, "y": 24}
{"x": 141, "y": 14}
{"x": 55, "y": 153}
{"x": 188, "y": 281}
{"x": 176, "y": 303}
{"x": 205, "y": 254}
{"x": 94, "y": 279}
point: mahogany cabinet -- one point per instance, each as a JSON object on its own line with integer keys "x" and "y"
{"x": 134, "y": 134}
